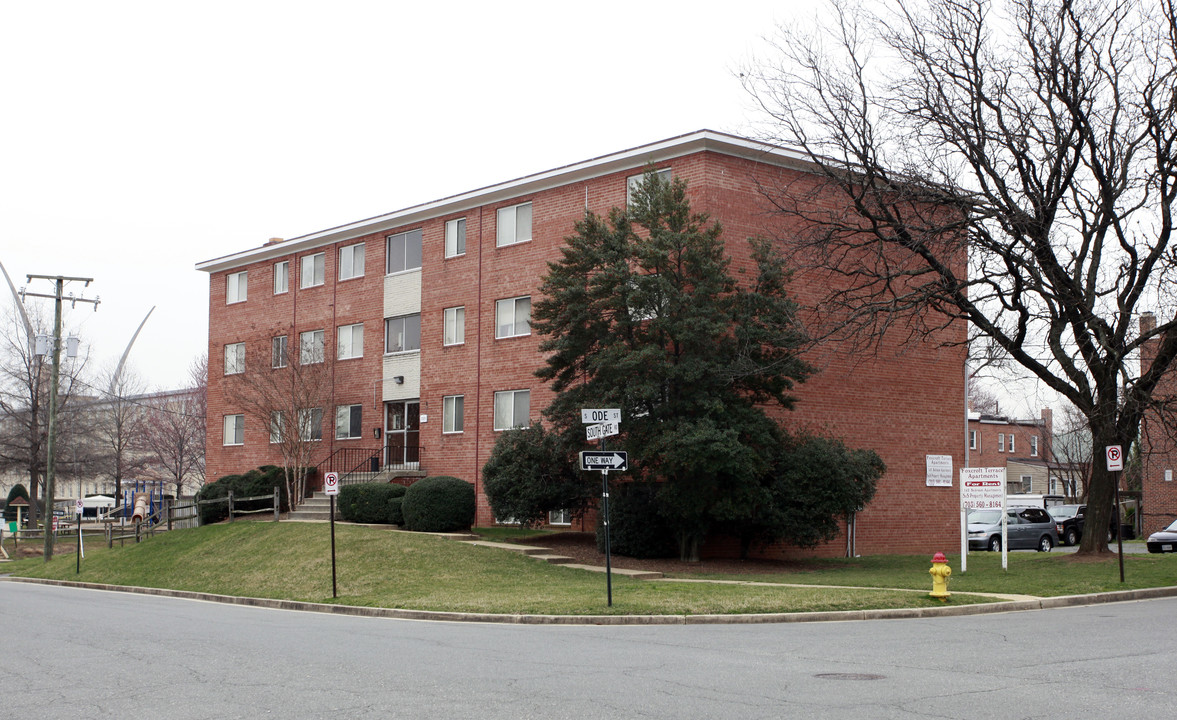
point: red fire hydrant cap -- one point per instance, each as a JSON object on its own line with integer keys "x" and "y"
{"x": 939, "y": 558}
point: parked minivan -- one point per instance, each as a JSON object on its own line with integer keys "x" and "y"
{"x": 1027, "y": 528}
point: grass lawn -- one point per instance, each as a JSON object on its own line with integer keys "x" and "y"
{"x": 382, "y": 568}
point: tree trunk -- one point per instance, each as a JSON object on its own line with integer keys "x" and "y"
{"x": 1101, "y": 491}
{"x": 688, "y": 547}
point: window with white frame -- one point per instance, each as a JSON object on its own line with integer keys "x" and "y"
{"x": 277, "y": 424}
{"x": 278, "y": 351}
{"x": 1011, "y": 442}
{"x": 513, "y": 317}
{"x": 313, "y": 270}
{"x": 402, "y": 334}
{"x": 403, "y": 252}
{"x": 236, "y": 286}
{"x": 234, "y": 430}
{"x": 560, "y": 517}
{"x": 1033, "y": 446}
{"x": 513, "y": 224}
{"x": 455, "y": 237}
{"x": 281, "y": 277}
{"x": 512, "y": 409}
{"x": 310, "y": 424}
{"x": 1054, "y": 484}
{"x": 972, "y": 439}
{"x": 350, "y": 341}
{"x": 234, "y": 358}
{"x": 1000, "y": 442}
{"x": 633, "y": 181}
{"x": 1027, "y": 483}
{"x": 454, "y": 325}
{"x": 452, "y": 413}
{"x": 310, "y": 347}
{"x": 351, "y": 261}
{"x": 349, "y": 422}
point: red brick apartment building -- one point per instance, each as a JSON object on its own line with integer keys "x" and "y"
{"x": 1023, "y": 448}
{"x": 426, "y": 310}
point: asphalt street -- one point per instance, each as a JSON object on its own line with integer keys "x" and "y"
{"x": 93, "y": 654}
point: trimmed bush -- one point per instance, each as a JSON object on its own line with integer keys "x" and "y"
{"x": 396, "y": 509}
{"x": 638, "y": 528}
{"x": 370, "y": 503}
{"x": 259, "y": 482}
{"x": 439, "y": 504}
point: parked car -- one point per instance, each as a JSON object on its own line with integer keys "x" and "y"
{"x": 1028, "y": 528}
{"x": 1164, "y": 540}
{"x": 1068, "y": 522}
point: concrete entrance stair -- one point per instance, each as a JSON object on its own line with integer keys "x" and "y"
{"x": 314, "y": 508}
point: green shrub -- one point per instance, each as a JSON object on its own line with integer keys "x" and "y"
{"x": 439, "y": 504}
{"x": 370, "y": 502}
{"x": 638, "y": 528}
{"x": 259, "y": 483}
{"x": 396, "y": 509}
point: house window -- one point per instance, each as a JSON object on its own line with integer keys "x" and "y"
{"x": 455, "y": 326}
{"x": 512, "y": 409}
{"x": 514, "y": 224}
{"x": 513, "y": 317}
{"x": 1054, "y": 483}
{"x": 234, "y": 430}
{"x": 310, "y": 347}
{"x": 310, "y": 424}
{"x": 277, "y": 423}
{"x": 455, "y": 237}
{"x": 452, "y": 411}
{"x": 404, "y": 252}
{"x": 1027, "y": 483}
{"x": 236, "y": 286}
{"x": 281, "y": 277}
{"x": 559, "y": 517}
{"x": 351, "y": 261}
{"x": 1000, "y": 442}
{"x": 351, "y": 341}
{"x": 1011, "y": 442}
{"x": 348, "y": 422}
{"x": 1033, "y": 446}
{"x": 313, "y": 270}
{"x": 278, "y": 347}
{"x": 633, "y": 181}
{"x": 235, "y": 358}
{"x": 402, "y": 334}
{"x": 972, "y": 439}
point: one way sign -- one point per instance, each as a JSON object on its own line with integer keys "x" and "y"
{"x": 611, "y": 460}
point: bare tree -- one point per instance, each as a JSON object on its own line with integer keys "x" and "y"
{"x": 1009, "y": 164}
{"x": 1070, "y": 458}
{"x": 117, "y": 422}
{"x": 173, "y": 435}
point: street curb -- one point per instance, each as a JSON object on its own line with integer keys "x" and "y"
{"x": 759, "y": 618}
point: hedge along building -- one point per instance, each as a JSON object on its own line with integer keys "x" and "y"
{"x": 421, "y": 319}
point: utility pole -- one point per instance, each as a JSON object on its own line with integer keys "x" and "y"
{"x": 59, "y": 286}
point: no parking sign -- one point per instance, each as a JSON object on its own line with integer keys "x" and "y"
{"x": 1115, "y": 458}
{"x": 331, "y": 483}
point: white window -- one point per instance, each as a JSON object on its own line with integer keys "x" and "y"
{"x": 1027, "y": 483}
{"x": 1011, "y": 442}
{"x": 402, "y": 334}
{"x": 313, "y": 271}
{"x": 513, "y": 317}
{"x": 632, "y": 182}
{"x": 281, "y": 277}
{"x": 514, "y": 224}
{"x": 455, "y": 237}
{"x": 310, "y": 347}
{"x": 1000, "y": 442}
{"x": 277, "y": 424}
{"x": 234, "y": 358}
{"x": 348, "y": 422}
{"x": 310, "y": 424}
{"x": 404, "y": 252}
{"x": 512, "y": 409}
{"x": 351, "y": 262}
{"x": 559, "y": 517}
{"x": 452, "y": 413}
{"x": 972, "y": 439}
{"x": 1034, "y": 446}
{"x": 234, "y": 430}
{"x": 236, "y": 285}
{"x": 278, "y": 349}
{"x": 455, "y": 326}
{"x": 351, "y": 341}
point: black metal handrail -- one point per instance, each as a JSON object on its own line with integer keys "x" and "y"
{"x": 346, "y": 461}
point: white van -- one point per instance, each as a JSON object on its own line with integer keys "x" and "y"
{"x": 1034, "y": 500}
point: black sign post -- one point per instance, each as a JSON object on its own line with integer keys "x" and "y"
{"x": 605, "y": 460}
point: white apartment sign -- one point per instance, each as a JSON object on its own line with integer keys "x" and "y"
{"x": 939, "y": 470}
{"x": 982, "y": 487}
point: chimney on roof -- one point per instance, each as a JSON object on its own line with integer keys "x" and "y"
{"x": 275, "y": 241}
{"x": 1148, "y": 322}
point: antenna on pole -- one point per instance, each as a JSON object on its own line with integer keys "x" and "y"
{"x": 118, "y": 371}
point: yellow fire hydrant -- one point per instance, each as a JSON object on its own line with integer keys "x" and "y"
{"x": 940, "y": 572}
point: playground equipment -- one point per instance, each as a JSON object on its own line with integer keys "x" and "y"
{"x": 142, "y": 499}
{"x": 141, "y": 509}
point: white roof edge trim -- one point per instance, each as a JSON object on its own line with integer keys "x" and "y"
{"x": 637, "y": 157}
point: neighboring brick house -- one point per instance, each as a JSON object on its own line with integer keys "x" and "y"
{"x": 426, "y": 311}
{"x": 1023, "y": 448}
{"x": 1158, "y": 448}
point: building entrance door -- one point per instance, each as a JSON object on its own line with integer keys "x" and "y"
{"x": 402, "y": 435}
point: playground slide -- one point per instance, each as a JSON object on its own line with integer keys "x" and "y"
{"x": 141, "y": 507}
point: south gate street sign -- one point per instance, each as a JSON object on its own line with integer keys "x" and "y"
{"x": 602, "y": 430}
{"x": 604, "y": 460}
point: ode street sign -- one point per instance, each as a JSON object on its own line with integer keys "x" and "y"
{"x": 607, "y": 460}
